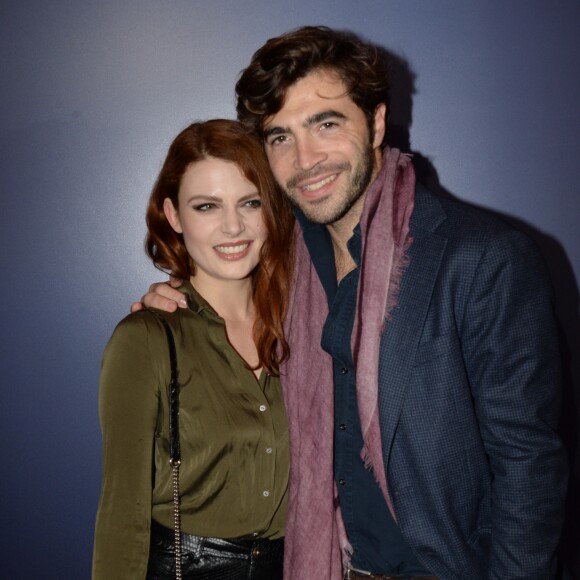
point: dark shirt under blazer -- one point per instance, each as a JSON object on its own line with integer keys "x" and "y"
{"x": 469, "y": 399}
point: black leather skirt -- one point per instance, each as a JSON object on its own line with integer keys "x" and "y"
{"x": 214, "y": 558}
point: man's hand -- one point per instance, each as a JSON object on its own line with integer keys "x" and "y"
{"x": 162, "y": 295}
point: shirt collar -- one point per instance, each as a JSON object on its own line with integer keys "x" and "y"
{"x": 319, "y": 245}
{"x": 195, "y": 301}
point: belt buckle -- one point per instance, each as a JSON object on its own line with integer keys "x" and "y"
{"x": 348, "y": 575}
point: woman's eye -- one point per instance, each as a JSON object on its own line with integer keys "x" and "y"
{"x": 254, "y": 203}
{"x": 204, "y": 207}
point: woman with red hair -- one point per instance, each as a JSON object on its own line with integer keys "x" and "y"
{"x": 217, "y": 221}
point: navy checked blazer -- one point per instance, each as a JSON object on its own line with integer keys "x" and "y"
{"x": 469, "y": 399}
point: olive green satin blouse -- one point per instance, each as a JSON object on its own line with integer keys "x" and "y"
{"x": 233, "y": 431}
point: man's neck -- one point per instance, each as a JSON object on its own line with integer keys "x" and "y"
{"x": 340, "y": 232}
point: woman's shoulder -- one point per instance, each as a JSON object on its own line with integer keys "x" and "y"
{"x": 143, "y": 330}
{"x": 149, "y": 320}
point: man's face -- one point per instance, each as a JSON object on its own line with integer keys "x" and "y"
{"x": 320, "y": 149}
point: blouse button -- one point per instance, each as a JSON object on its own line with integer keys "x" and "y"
{"x": 268, "y": 450}
{"x": 262, "y": 408}
{"x": 266, "y": 493}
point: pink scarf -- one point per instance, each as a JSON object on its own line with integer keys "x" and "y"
{"x": 316, "y": 543}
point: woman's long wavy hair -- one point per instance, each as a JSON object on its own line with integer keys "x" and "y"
{"x": 230, "y": 141}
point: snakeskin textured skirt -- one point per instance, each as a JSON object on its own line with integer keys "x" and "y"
{"x": 214, "y": 558}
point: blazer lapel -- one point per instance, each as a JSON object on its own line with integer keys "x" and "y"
{"x": 403, "y": 331}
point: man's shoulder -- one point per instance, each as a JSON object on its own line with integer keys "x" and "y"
{"x": 457, "y": 220}
{"x": 469, "y": 233}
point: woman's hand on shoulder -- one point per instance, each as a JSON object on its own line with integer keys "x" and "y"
{"x": 163, "y": 296}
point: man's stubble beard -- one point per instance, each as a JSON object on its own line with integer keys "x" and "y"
{"x": 355, "y": 189}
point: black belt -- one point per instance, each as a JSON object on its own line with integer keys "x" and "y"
{"x": 240, "y": 548}
{"x": 353, "y": 575}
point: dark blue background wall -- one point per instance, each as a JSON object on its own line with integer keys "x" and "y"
{"x": 91, "y": 94}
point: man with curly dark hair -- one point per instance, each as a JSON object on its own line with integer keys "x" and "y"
{"x": 422, "y": 388}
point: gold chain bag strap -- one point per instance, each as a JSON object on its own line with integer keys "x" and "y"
{"x": 174, "y": 449}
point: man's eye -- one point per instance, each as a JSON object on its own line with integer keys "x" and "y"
{"x": 328, "y": 125}
{"x": 278, "y": 140}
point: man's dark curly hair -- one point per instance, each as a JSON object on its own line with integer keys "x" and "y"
{"x": 283, "y": 60}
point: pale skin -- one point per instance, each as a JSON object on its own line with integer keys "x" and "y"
{"x": 219, "y": 215}
{"x": 315, "y": 144}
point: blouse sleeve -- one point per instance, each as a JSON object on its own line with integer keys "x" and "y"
{"x": 128, "y": 409}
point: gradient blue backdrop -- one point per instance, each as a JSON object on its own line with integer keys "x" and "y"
{"x": 92, "y": 92}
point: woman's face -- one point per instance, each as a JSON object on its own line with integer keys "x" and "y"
{"x": 220, "y": 217}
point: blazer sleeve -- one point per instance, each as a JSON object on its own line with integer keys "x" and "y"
{"x": 128, "y": 409}
{"x": 511, "y": 350}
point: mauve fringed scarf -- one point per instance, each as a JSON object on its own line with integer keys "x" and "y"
{"x": 316, "y": 545}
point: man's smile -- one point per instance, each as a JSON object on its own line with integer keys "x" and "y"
{"x": 319, "y": 184}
